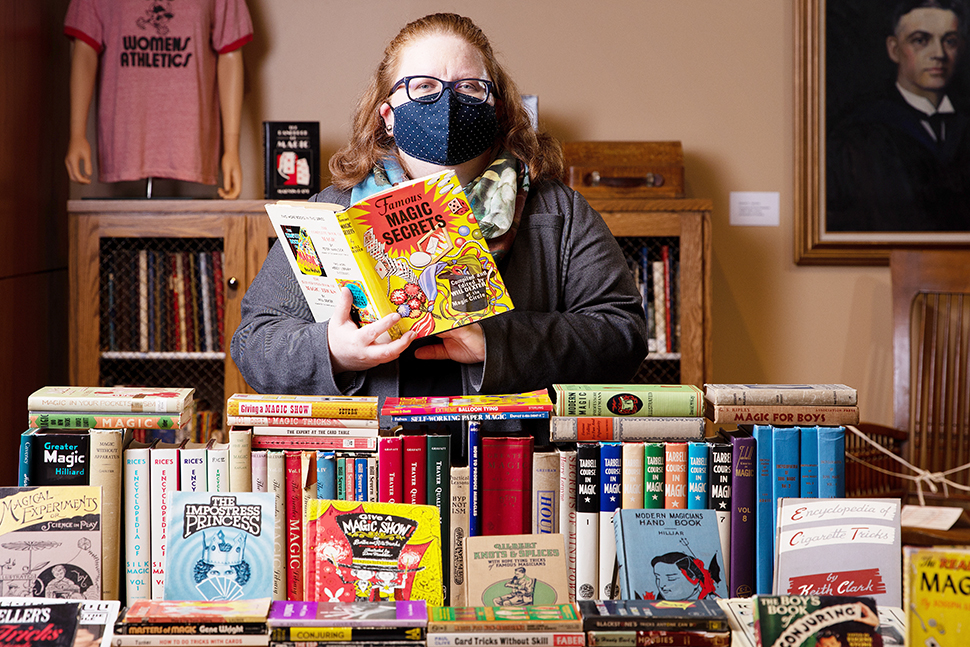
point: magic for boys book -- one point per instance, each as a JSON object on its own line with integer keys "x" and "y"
{"x": 220, "y": 546}
{"x": 50, "y": 542}
{"x": 415, "y": 249}
{"x": 669, "y": 555}
{"x": 374, "y": 551}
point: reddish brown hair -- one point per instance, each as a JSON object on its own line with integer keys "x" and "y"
{"x": 370, "y": 143}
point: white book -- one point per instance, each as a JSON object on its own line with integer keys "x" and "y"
{"x": 217, "y": 467}
{"x": 206, "y": 303}
{"x": 240, "y": 461}
{"x": 276, "y": 483}
{"x": 545, "y": 492}
{"x": 460, "y": 500}
{"x": 107, "y": 471}
{"x": 567, "y": 514}
{"x": 632, "y": 475}
{"x": 258, "y": 459}
{"x": 192, "y": 467}
{"x": 138, "y": 519}
{"x": 164, "y": 474}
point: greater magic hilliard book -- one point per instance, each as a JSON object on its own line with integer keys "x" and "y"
{"x": 415, "y": 249}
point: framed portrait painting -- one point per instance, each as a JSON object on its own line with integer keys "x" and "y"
{"x": 882, "y": 128}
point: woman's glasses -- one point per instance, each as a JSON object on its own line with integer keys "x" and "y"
{"x": 428, "y": 89}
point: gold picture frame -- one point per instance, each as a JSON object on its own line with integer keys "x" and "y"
{"x": 814, "y": 245}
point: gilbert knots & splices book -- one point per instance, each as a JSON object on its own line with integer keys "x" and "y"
{"x": 669, "y": 555}
{"x": 936, "y": 595}
{"x": 50, "y": 541}
{"x": 810, "y": 620}
{"x": 515, "y": 570}
{"x": 415, "y": 249}
{"x": 220, "y": 546}
{"x": 362, "y": 551}
{"x": 669, "y": 400}
{"x": 839, "y": 547}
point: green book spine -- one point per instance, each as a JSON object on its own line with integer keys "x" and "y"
{"x": 653, "y": 475}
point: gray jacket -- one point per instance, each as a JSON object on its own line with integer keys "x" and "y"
{"x": 577, "y": 315}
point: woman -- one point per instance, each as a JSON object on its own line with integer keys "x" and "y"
{"x": 439, "y": 100}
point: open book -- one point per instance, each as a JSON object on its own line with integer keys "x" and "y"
{"x": 415, "y": 249}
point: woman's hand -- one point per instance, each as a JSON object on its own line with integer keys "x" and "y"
{"x": 465, "y": 345}
{"x": 358, "y": 349}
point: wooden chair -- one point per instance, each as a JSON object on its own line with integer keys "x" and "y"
{"x": 931, "y": 385}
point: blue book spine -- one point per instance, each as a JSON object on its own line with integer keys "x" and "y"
{"x": 360, "y": 479}
{"x": 785, "y": 478}
{"x": 23, "y": 476}
{"x": 808, "y": 465}
{"x": 326, "y": 475}
{"x": 764, "y": 517}
{"x": 831, "y": 462}
{"x": 611, "y": 499}
{"x": 698, "y": 456}
{"x": 475, "y": 478}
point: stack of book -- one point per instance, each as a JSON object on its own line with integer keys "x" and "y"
{"x": 634, "y": 623}
{"x": 631, "y": 451}
{"x": 795, "y": 438}
{"x": 225, "y": 623}
{"x": 348, "y": 624}
{"x": 558, "y": 625}
{"x": 77, "y": 435}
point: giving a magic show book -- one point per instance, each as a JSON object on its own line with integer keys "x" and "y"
{"x": 415, "y": 249}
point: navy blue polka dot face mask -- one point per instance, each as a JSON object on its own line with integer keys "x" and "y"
{"x": 446, "y": 132}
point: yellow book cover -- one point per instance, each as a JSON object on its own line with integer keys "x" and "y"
{"x": 374, "y": 551}
{"x": 415, "y": 249}
{"x": 936, "y": 590}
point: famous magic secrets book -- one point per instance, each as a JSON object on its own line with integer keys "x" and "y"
{"x": 415, "y": 249}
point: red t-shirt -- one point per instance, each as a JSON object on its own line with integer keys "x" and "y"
{"x": 158, "y": 100}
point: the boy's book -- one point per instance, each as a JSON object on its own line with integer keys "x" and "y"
{"x": 669, "y": 615}
{"x": 502, "y": 403}
{"x": 415, "y": 249}
{"x": 98, "y": 420}
{"x": 302, "y": 406}
{"x": 360, "y": 614}
{"x": 110, "y": 399}
{"x": 42, "y": 624}
{"x": 669, "y": 555}
{"x": 839, "y": 547}
{"x": 194, "y": 611}
{"x": 515, "y": 570}
{"x": 769, "y": 414}
{"x": 220, "y": 546}
{"x": 374, "y": 551}
{"x": 291, "y": 156}
{"x": 482, "y": 619}
{"x": 50, "y": 541}
{"x": 936, "y": 601}
{"x": 781, "y": 394}
{"x": 590, "y": 429}
{"x": 810, "y": 620}
{"x": 666, "y": 400}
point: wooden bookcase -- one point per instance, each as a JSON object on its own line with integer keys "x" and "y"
{"x": 689, "y": 221}
{"x": 240, "y": 228}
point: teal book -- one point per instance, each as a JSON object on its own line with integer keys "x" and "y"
{"x": 653, "y": 475}
{"x": 341, "y": 480}
{"x": 831, "y": 462}
{"x": 764, "y": 510}
{"x": 220, "y": 546}
{"x": 669, "y": 555}
{"x": 698, "y": 457}
{"x": 808, "y": 462}
{"x": 326, "y": 475}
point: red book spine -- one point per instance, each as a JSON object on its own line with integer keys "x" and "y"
{"x": 507, "y": 486}
{"x": 415, "y": 468}
{"x": 390, "y": 467}
{"x": 294, "y": 525}
{"x": 675, "y": 475}
{"x": 668, "y": 292}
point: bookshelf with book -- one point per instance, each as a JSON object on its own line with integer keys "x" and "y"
{"x": 136, "y": 327}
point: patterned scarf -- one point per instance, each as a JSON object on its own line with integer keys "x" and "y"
{"x": 497, "y": 196}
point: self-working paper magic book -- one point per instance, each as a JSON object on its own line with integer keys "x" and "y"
{"x": 415, "y": 248}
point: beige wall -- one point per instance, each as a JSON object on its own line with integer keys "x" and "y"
{"x": 715, "y": 75}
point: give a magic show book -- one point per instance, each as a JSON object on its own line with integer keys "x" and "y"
{"x": 415, "y": 249}
{"x": 220, "y": 546}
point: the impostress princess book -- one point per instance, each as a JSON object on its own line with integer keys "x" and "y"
{"x": 415, "y": 249}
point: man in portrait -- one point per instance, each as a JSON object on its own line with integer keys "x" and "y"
{"x": 900, "y": 162}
